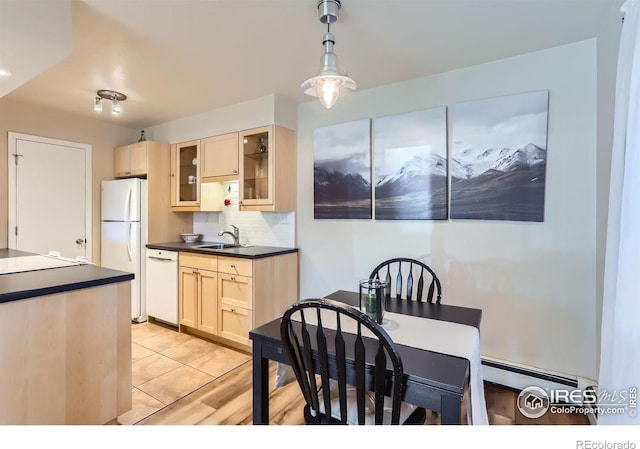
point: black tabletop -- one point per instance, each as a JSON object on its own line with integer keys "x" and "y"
{"x": 443, "y": 371}
{"x": 442, "y": 312}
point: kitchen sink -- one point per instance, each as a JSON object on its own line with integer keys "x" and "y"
{"x": 217, "y": 246}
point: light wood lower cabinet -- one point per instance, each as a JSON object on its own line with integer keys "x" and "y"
{"x": 224, "y": 303}
{"x": 198, "y": 292}
{"x": 208, "y": 311}
{"x": 235, "y": 323}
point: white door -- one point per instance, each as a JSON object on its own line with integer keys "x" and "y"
{"x": 49, "y": 195}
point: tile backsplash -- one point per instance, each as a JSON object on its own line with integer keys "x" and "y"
{"x": 256, "y": 228}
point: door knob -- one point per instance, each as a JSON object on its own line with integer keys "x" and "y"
{"x": 79, "y": 241}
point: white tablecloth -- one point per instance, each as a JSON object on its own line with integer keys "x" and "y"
{"x": 432, "y": 335}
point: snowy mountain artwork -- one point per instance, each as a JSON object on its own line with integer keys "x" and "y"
{"x": 499, "y": 158}
{"x": 342, "y": 171}
{"x": 410, "y": 165}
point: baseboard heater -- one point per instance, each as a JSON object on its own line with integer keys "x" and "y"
{"x": 531, "y": 375}
{"x": 518, "y": 377}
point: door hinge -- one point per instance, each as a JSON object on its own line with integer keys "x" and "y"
{"x": 16, "y": 156}
{"x": 16, "y": 231}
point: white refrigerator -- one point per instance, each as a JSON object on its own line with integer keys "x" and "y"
{"x": 124, "y": 235}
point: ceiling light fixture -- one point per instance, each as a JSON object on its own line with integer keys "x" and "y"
{"x": 115, "y": 97}
{"x": 4, "y": 73}
{"x": 330, "y": 83}
{"x": 97, "y": 104}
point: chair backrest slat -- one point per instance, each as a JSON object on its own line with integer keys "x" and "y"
{"x": 379, "y": 384}
{"x": 402, "y": 267}
{"x": 339, "y": 352}
{"x": 341, "y": 370}
{"x": 324, "y": 363}
{"x": 308, "y": 363}
{"x": 359, "y": 353}
{"x": 410, "y": 282}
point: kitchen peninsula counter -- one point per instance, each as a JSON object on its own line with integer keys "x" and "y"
{"x": 65, "y": 344}
{"x": 30, "y": 284}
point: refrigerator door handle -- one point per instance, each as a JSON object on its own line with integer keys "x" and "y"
{"x": 127, "y": 204}
{"x": 129, "y": 249}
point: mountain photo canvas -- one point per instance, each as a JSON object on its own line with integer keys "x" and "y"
{"x": 499, "y": 158}
{"x": 410, "y": 165}
{"x": 342, "y": 171}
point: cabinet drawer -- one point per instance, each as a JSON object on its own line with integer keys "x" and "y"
{"x": 234, "y": 265}
{"x": 235, "y": 291}
{"x": 201, "y": 261}
{"x": 235, "y": 323}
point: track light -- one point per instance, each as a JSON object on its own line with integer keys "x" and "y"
{"x": 97, "y": 104}
{"x": 115, "y": 97}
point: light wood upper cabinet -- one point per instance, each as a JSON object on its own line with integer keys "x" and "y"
{"x": 188, "y": 191}
{"x": 267, "y": 158}
{"x": 219, "y": 158}
{"x": 131, "y": 160}
{"x": 185, "y": 176}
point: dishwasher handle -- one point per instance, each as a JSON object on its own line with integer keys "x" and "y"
{"x": 162, "y": 255}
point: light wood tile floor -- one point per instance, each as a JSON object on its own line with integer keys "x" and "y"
{"x": 168, "y": 365}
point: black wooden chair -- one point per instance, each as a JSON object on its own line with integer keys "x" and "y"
{"x": 345, "y": 363}
{"x": 395, "y": 271}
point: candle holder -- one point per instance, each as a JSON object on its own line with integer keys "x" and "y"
{"x": 372, "y": 298}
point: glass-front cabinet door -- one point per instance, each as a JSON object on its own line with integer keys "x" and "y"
{"x": 256, "y": 166}
{"x": 186, "y": 174}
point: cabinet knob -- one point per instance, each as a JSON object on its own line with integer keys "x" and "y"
{"x": 235, "y": 172}
{"x": 233, "y": 310}
{"x": 233, "y": 266}
{"x": 233, "y": 278}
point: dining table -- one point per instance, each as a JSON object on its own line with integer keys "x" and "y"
{"x": 434, "y": 380}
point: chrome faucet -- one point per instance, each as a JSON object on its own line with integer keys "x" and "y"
{"x": 235, "y": 234}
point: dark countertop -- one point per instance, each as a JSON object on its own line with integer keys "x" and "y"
{"x": 29, "y": 284}
{"x": 245, "y": 252}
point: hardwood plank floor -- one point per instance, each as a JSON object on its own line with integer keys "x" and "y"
{"x": 227, "y": 400}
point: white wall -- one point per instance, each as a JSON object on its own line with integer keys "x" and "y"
{"x": 608, "y": 45}
{"x": 262, "y": 111}
{"x": 535, "y": 282}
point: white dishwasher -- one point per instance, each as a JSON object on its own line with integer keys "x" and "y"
{"x": 162, "y": 285}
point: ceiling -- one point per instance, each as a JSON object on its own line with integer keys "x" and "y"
{"x": 176, "y": 58}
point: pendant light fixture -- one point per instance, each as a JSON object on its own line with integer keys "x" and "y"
{"x": 330, "y": 83}
{"x": 115, "y": 97}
